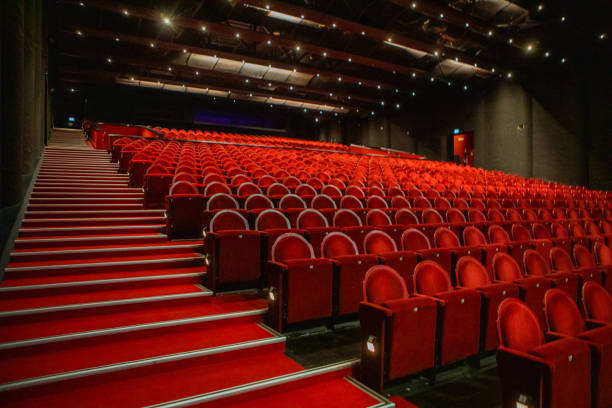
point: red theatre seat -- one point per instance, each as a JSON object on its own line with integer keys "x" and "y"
{"x": 472, "y": 274}
{"x": 397, "y": 330}
{"x": 537, "y": 373}
{"x": 350, "y": 269}
{"x": 315, "y": 226}
{"x": 184, "y": 206}
{"x": 381, "y": 244}
{"x": 300, "y": 284}
{"x": 563, "y": 319}
{"x": 229, "y": 235}
{"x": 561, "y": 261}
{"x": 597, "y": 302}
{"x": 536, "y": 265}
{"x": 459, "y": 312}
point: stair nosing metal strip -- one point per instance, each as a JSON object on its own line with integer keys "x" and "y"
{"x": 91, "y": 305}
{"x": 42, "y": 229}
{"x": 86, "y": 238}
{"x": 69, "y": 375}
{"x": 100, "y": 264}
{"x": 43, "y": 286}
{"x": 97, "y": 250}
{"x": 256, "y": 385}
{"x": 131, "y": 328}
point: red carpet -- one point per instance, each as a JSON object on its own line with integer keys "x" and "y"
{"x": 154, "y": 335}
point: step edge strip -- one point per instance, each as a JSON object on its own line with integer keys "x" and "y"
{"x": 112, "y": 249}
{"x": 70, "y": 375}
{"x": 131, "y": 328}
{"x": 100, "y": 264}
{"x": 79, "y": 239}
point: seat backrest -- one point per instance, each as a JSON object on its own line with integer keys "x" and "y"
{"x": 337, "y": 244}
{"x": 495, "y": 215}
{"x": 477, "y": 204}
{"x": 592, "y": 228}
{"x": 559, "y": 230}
{"x": 562, "y": 314}
{"x": 445, "y": 238}
{"x": 376, "y": 202}
{"x": 257, "y": 202}
{"x": 354, "y": 191}
{"x": 226, "y": 220}
{"x": 332, "y": 191}
{"x": 561, "y": 260}
{"x": 505, "y": 268}
{"x": 277, "y": 189}
{"x": 421, "y": 202}
{"x": 305, "y": 190}
{"x": 399, "y": 202}
{"x": 455, "y": 216}
{"x": 221, "y": 201}
{"x": 517, "y": 326}
{"x": 475, "y": 215}
{"x": 473, "y": 236}
{"x": 470, "y": 273}
{"x": 271, "y": 219}
{"x": 498, "y": 235}
{"x": 603, "y": 254}
{"x": 442, "y": 203}
{"x": 351, "y": 202}
{"x": 520, "y": 233}
{"x": 577, "y": 229}
{"x": 513, "y": 215}
{"x": 530, "y": 215}
{"x": 430, "y": 279}
{"x": 378, "y": 242}
{"x": 583, "y": 257}
{"x": 540, "y": 231}
{"x": 184, "y": 176}
{"x": 414, "y": 240}
{"x": 266, "y": 181}
{"x": 291, "y": 201}
{"x": 597, "y": 302}
{"x": 183, "y": 187}
{"x": 322, "y": 201}
{"x": 535, "y": 264}
{"x": 346, "y": 218}
{"x": 311, "y": 218}
{"x": 216, "y": 187}
{"x": 291, "y": 246}
{"x": 382, "y": 284}
{"x": 404, "y": 216}
{"x": 377, "y": 217}
{"x": 247, "y": 189}
{"x": 461, "y": 204}
{"x": 431, "y": 216}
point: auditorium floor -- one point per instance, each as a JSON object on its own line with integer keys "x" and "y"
{"x": 460, "y": 386}
{"x": 69, "y": 139}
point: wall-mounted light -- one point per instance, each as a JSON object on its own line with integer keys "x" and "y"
{"x": 371, "y": 344}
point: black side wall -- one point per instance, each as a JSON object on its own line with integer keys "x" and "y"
{"x": 23, "y": 90}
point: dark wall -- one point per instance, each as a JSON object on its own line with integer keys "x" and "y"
{"x": 23, "y": 90}
{"x": 554, "y": 127}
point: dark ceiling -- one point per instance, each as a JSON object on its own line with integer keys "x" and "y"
{"x": 337, "y": 57}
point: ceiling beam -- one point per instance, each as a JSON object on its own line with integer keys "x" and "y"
{"x": 145, "y": 42}
{"x": 356, "y": 29}
{"x": 227, "y": 31}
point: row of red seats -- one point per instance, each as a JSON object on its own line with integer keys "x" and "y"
{"x": 404, "y": 332}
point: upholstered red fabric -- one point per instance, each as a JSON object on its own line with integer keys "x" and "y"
{"x": 518, "y": 326}
{"x": 414, "y": 240}
{"x": 454, "y": 215}
{"x": 216, "y": 187}
{"x": 346, "y": 218}
{"x": 498, "y": 235}
{"x": 271, "y": 219}
{"x": 421, "y": 202}
{"x": 445, "y": 238}
{"x": 350, "y": 202}
{"x": 376, "y": 202}
{"x": 225, "y": 220}
{"x": 562, "y": 314}
{"x": 277, "y": 189}
{"x": 258, "y": 202}
{"x": 291, "y": 246}
{"x": 430, "y": 278}
{"x": 431, "y": 216}
{"x": 378, "y": 242}
{"x": 290, "y": 201}
{"x": 399, "y": 202}
{"x": 471, "y": 274}
{"x": 404, "y": 216}
{"x": 473, "y": 236}
{"x": 248, "y": 189}
{"x": 520, "y": 233}
{"x": 322, "y": 201}
{"x": 377, "y": 217}
{"x": 337, "y": 244}
{"x": 535, "y": 264}
{"x": 560, "y": 260}
{"x": 583, "y": 257}
{"x": 476, "y": 215}
{"x": 310, "y": 218}
{"x": 505, "y": 268}
{"x": 221, "y": 201}
{"x": 597, "y": 302}
{"x": 540, "y": 231}
{"x": 383, "y": 284}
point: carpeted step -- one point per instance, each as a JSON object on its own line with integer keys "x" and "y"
{"x": 99, "y": 211}
{"x": 34, "y": 208}
{"x": 101, "y": 231}
{"x": 86, "y": 200}
{"x": 115, "y": 220}
{"x": 87, "y": 242}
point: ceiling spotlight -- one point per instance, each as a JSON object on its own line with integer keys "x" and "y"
{"x": 378, "y": 86}
{"x": 348, "y": 97}
{"x": 79, "y": 33}
{"x": 413, "y": 93}
{"x": 449, "y": 83}
{"x": 331, "y": 94}
{"x": 203, "y": 28}
{"x": 320, "y": 112}
{"x": 339, "y": 79}
{"x": 397, "y": 106}
{"x": 441, "y": 16}
{"x": 166, "y": 21}
{"x": 72, "y": 90}
{"x": 467, "y": 25}
{"x": 316, "y": 119}
{"x": 465, "y": 87}
{"x": 342, "y": 108}
{"x": 297, "y": 48}
{"x": 334, "y": 25}
{"x": 152, "y": 45}
{"x": 335, "y": 113}
{"x": 251, "y": 95}
{"x": 413, "y": 5}
{"x": 509, "y": 75}
{"x": 563, "y": 60}
{"x": 510, "y": 40}
{"x": 325, "y": 54}
{"x": 456, "y": 59}
{"x": 184, "y": 50}
{"x": 269, "y": 84}
{"x": 197, "y": 73}
{"x": 132, "y": 78}
{"x": 109, "y": 60}
{"x": 267, "y": 7}
{"x": 382, "y": 103}
{"x": 431, "y": 79}
{"x": 305, "y": 110}
{"x": 116, "y": 39}
{"x": 350, "y": 60}
{"x": 229, "y": 92}
{"x": 81, "y": 4}
{"x": 436, "y": 53}
{"x": 540, "y": 7}
{"x": 169, "y": 69}
{"x": 291, "y": 88}
{"x": 302, "y": 16}
{"x": 414, "y": 75}
{"x": 547, "y": 54}
{"x": 493, "y": 70}
{"x": 490, "y": 33}
{"x": 359, "y": 83}
{"x": 529, "y": 48}
{"x": 246, "y": 81}
{"x": 363, "y": 33}
{"x": 126, "y": 13}
{"x": 357, "y": 110}
{"x": 396, "y": 90}
{"x": 563, "y": 19}
{"x": 372, "y": 113}
{"x": 268, "y": 42}
{"x": 318, "y": 75}
{"x": 602, "y": 36}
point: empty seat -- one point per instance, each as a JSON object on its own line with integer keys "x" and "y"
{"x": 535, "y": 264}
{"x": 498, "y": 235}
{"x": 415, "y": 241}
{"x": 585, "y": 261}
{"x": 531, "y": 289}
{"x": 184, "y": 208}
{"x": 315, "y": 226}
{"x": 350, "y": 268}
{"x": 300, "y": 284}
{"x": 458, "y": 309}
{"x": 537, "y": 373}
{"x": 381, "y": 244}
{"x": 229, "y": 235}
{"x": 350, "y": 223}
{"x": 470, "y": 273}
{"x": 446, "y": 241}
{"x": 563, "y": 318}
{"x": 398, "y": 331}
{"x": 597, "y": 302}
{"x": 272, "y": 223}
